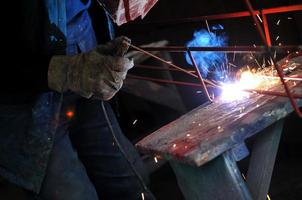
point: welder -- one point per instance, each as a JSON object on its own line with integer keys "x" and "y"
{"x": 59, "y": 138}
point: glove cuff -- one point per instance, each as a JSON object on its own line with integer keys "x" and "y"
{"x": 58, "y": 72}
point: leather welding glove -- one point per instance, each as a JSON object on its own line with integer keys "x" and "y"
{"x": 98, "y": 73}
{"x": 118, "y": 46}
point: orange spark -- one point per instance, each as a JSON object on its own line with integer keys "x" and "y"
{"x": 70, "y": 114}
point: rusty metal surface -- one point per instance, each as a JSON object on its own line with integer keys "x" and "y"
{"x": 207, "y": 131}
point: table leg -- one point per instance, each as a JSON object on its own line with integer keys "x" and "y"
{"x": 262, "y": 160}
{"x": 218, "y": 179}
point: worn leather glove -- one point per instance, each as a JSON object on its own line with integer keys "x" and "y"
{"x": 98, "y": 73}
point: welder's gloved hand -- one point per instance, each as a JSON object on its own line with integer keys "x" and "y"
{"x": 117, "y": 47}
{"x": 98, "y": 73}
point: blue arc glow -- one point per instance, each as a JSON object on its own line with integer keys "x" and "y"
{"x": 208, "y": 61}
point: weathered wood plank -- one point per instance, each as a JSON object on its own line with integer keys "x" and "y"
{"x": 262, "y": 161}
{"x": 239, "y": 151}
{"x": 207, "y": 131}
{"x": 219, "y": 180}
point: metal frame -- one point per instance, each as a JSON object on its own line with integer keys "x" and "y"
{"x": 264, "y": 34}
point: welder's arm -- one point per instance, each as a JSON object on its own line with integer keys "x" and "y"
{"x": 98, "y": 73}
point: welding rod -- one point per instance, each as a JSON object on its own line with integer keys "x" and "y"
{"x": 289, "y": 78}
{"x": 171, "y": 64}
{"x": 203, "y": 85}
{"x": 265, "y": 92}
{"x": 294, "y": 96}
{"x": 273, "y": 93}
{"x": 162, "y": 60}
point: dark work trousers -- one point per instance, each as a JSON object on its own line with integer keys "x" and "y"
{"x": 85, "y": 163}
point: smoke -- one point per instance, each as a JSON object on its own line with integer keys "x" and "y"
{"x": 214, "y": 62}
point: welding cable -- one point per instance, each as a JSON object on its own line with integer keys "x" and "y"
{"x": 269, "y": 53}
{"x": 121, "y": 149}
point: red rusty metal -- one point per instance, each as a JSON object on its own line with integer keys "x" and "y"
{"x": 279, "y": 71}
{"x": 287, "y": 90}
{"x": 266, "y": 29}
{"x": 282, "y": 9}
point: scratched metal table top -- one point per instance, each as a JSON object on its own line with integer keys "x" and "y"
{"x": 207, "y": 131}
